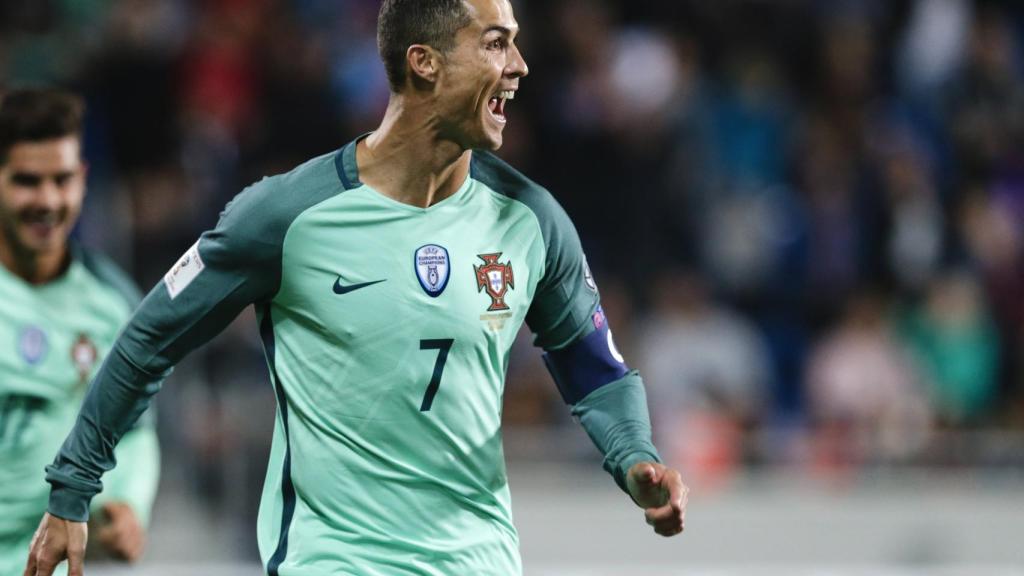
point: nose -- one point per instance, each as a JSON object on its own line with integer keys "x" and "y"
{"x": 49, "y": 194}
{"x": 516, "y": 67}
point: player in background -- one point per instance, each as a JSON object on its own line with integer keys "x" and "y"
{"x": 389, "y": 278}
{"x": 61, "y": 307}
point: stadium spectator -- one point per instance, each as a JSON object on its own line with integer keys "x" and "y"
{"x": 956, "y": 346}
{"x": 866, "y": 400}
{"x": 708, "y": 379}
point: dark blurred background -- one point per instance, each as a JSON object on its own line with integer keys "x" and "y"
{"x": 806, "y": 217}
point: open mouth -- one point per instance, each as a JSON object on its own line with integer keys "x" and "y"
{"x": 496, "y": 105}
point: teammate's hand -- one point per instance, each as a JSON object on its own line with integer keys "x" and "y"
{"x": 121, "y": 534}
{"x": 55, "y": 540}
{"x": 660, "y": 491}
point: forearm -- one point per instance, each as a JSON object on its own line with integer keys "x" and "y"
{"x": 615, "y": 417}
{"x": 117, "y": 397}
{"x": 135, "y": 481}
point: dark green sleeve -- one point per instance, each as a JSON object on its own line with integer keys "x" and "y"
{"x": 566, "y": 297}
{"x": 605, "y": 396}
{"x": 615, "y": 417}
{"x": 573, "y": 330}
{"x": 240, "y": 266}
{"x": 135, "y": 481}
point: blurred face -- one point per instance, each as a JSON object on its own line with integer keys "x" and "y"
{"x": 42, "y": 185}
{"x": 481, "y": 74}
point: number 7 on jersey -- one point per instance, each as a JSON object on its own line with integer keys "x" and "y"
{"x": 442, "y": 346}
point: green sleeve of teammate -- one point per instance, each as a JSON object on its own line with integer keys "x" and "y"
{"x": 606, "y": 397}
{"x": 109, "y": 273}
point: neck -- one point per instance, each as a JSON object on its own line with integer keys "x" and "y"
{"x": 34, "y": 268}
{"x": 408, "y": 158}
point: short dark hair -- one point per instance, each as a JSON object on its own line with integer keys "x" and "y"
{"x": 402, "y": 23}
{"x": 37, "y": 114}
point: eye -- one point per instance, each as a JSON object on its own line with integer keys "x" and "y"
{"x": 26, "y": 180}
{"x": 496, "y": 44}
{"x": 62, "y": 179}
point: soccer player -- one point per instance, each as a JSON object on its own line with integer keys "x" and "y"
{"x": 61, "y": 307}
{"x": 390, "y": 278}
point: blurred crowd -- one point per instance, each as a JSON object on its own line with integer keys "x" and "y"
{"x": 806, "y": 217}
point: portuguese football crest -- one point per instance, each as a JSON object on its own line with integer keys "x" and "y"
{"x": 494, "y": 278}
{"x": 83, "y": 356}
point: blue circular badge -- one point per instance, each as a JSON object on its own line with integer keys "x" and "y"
{"x": 32, "y": 344}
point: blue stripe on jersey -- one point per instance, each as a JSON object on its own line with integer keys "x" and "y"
{"x": 287, "y": 488}
{"x": 585, "y": 365}
{"x": 339, "y": 165}
{"x": 345, "y": 164}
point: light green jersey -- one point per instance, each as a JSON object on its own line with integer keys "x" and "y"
{"x": 52, "y": 337}
{"x": 387, "y": 329}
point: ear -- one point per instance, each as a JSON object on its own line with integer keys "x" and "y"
{"x": 424, "y": 62}
{"x": 85, "y": 176}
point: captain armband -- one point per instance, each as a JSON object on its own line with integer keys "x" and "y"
{"x": 587, "y": 364}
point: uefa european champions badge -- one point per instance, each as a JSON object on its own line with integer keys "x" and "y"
{"x": 432, "y": 268}
{"x": 32, "y": 344}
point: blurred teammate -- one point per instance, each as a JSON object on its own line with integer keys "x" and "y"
{"x": 390, "y": 279}
{"x": 61, "y": 307}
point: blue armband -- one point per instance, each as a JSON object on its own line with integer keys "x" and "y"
{"x": 587, "y": 364}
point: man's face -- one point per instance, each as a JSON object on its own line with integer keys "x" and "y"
{"x": 42, "y": 185}
{"x": 480, "y": 74}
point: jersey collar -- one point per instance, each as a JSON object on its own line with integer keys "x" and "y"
{"x": 345, "y": 163}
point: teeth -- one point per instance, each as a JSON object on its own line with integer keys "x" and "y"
{"x": 507, "y": 94}
{"x": 46, "y": 219}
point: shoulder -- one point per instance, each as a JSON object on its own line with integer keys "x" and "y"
{"x": 269, "y": 206}
{"x": 505, "y": 180}
{"x": 109, "y": 274}
{"x": 306, "y": 184}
